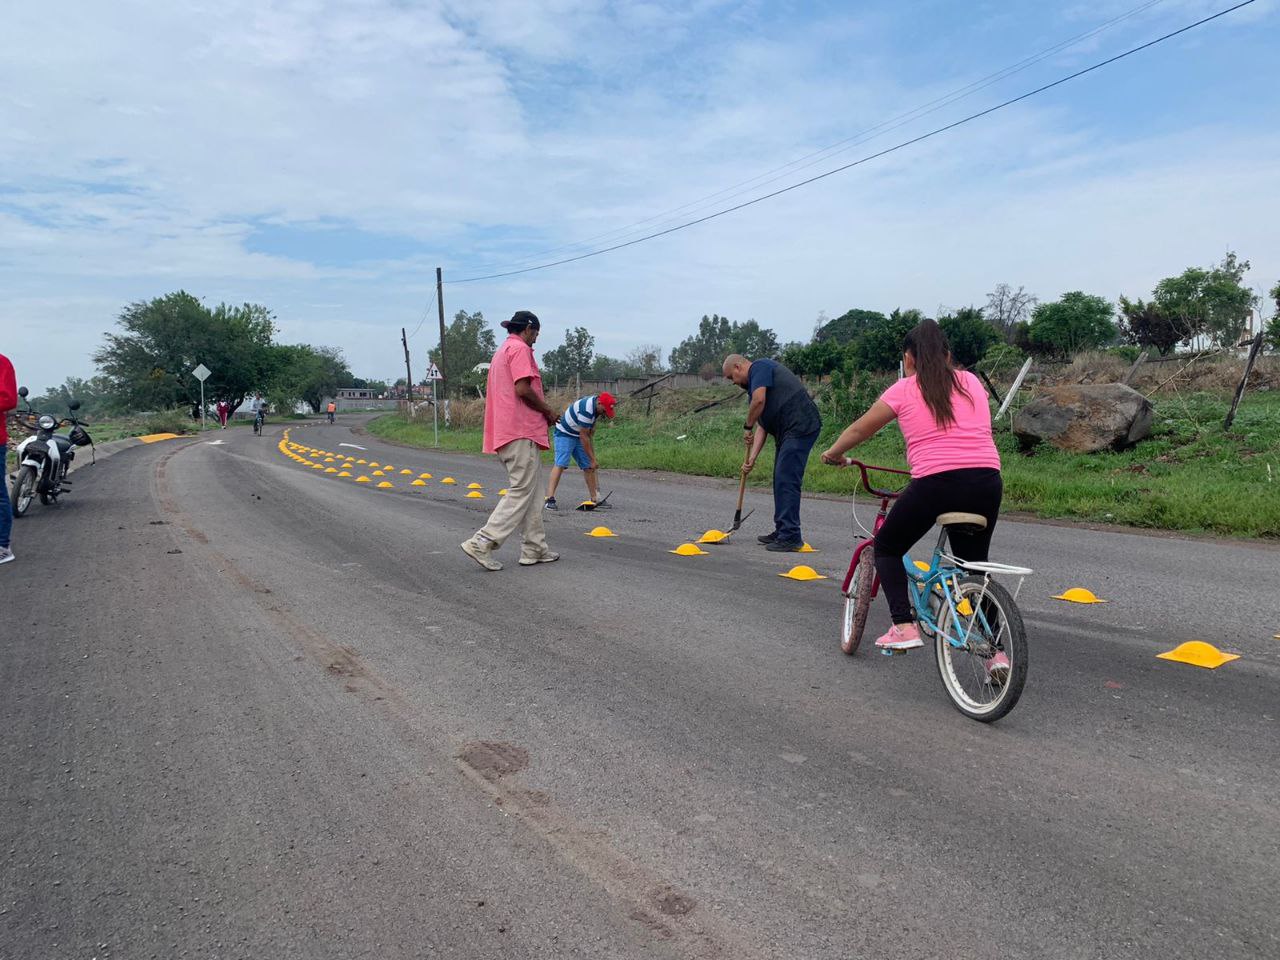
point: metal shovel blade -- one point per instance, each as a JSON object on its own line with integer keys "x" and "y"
{"x": 739, "y": 518}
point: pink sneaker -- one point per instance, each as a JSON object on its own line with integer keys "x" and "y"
{"x": 998, "y": 668}
{"x": 901, "y": 636}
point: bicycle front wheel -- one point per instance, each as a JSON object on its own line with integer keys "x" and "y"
{"x": 857, "y": 603}
{"x": 985, "y": 674}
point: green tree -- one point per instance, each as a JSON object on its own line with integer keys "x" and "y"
{"x": 752, "y": 341}
{"x": 709, "y": 345}
{"x": 604, "y": 368}
{"x": 1146, "y": 325}
{"x": 1079, "y": 321}
{"x": 149, "y": 364}
{"x": 556, "y": 367}
{"x": 848, "y": 326}
{"x": 469, "y": 341}
{"x": 879, "y": 346}
{"x": 816, "y": 359}
{"x": 1212, "y": 302}
{"x": 97, "y": 397}
{"x": 308, "y": 374}
{"x": 970, "y": 335}
{"x": 643, "y": 361}
{"x": 580, "y": 348}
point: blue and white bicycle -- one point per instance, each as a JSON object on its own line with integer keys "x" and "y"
{"x": 977, "y": 631}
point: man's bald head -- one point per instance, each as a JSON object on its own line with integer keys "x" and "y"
{"x": 736, "y": 368}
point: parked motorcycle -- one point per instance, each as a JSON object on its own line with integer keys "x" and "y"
{"x": 45, "y": 457}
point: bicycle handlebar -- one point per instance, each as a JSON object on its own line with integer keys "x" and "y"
{"x": 866, "y": 479}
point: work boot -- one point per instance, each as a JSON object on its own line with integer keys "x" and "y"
{"x": 481, "y": 551}
{"x": 784, "y": 546}
{"x": 768, "y": 537}
{"x": 549, "y": 503}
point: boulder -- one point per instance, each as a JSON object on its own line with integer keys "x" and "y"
{"x": 1085, "y": 418}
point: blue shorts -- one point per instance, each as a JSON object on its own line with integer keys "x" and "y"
{"x": 567, "y": 447}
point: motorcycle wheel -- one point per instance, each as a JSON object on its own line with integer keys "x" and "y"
{"x": 24, "y": 490}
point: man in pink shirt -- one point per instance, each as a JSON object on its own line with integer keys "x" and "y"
{"x": 516, "y": 418}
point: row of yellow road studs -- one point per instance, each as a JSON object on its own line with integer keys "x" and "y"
{"x": 1194, "y": 652}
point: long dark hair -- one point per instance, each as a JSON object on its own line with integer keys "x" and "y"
{"x": 937, "y": 379}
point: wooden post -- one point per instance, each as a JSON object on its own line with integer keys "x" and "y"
{"x": 1244, "y": 381}
{"x": 1128, "y": 377}
{"x": 408, "y": 374}
{"x": 440, "y": 306}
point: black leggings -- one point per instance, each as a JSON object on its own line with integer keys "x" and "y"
{"x": 972, "y": 490}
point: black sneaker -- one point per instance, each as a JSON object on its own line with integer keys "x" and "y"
{"x": 784, "y": 546}
{"x": 768, "y": 537}
{"x": 550, "y": 503}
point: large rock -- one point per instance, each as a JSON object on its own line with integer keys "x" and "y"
{"x": 1085, "y": 418}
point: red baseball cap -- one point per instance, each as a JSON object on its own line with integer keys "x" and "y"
{"x": 608, "y": 401}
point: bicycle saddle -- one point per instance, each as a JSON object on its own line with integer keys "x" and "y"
{"x": 975, "y": 520}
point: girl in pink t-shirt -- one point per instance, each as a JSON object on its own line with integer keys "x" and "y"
{"x": 946, "y": 422}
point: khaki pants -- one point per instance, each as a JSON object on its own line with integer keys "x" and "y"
{"x": 521, "y": 508}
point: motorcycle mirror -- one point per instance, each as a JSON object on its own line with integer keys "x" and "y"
{"x": 74, "y": 405}
{"x": 22, "y": 392}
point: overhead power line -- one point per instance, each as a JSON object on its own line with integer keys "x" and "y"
{"x": 866, "y": 159}
{"x": 848, "y": 143}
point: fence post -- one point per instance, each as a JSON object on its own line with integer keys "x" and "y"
{"x": 1244, "y": 381}
{"x": 1128, "y": 377}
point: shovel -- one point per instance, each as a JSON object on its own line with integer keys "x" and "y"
{"x": 594, "y": 505}
{"x": 738, "y": 518}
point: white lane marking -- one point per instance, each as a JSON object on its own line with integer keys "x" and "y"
{"x": 354, "y": 445}
{"x": 215, "y": 443}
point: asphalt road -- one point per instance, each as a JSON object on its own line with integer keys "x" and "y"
{"x": 251, "y": 710}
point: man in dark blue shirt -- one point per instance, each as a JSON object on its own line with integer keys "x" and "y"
{"x": 779, "y": 406}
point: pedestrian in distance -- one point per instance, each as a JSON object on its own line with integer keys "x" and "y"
{"x": 8, "y": 401}
{"x": 946, "y": 421}
{"x": 779, "y": 406}
{"x": 516, "y": 418}
{"x": 224, "y": 410}
{"x": 574, "y": 441}
{"x": 330, "y": 410}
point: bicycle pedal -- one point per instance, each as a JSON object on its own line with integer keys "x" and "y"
{"x": 890, "y": 652}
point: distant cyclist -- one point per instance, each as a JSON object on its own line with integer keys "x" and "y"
{"x": 259, "y": 414}
{"x": 946, "y": 421}
{"x": 331, "y": 410}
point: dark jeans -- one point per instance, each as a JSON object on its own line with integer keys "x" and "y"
{"x": 789, "y": 461}
{"x": 6, "y": 511}
{"x": 973, "y": 490}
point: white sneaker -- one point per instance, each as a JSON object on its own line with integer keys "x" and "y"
{"x": 546, "y": 556}
{"x": 6, "y": 555}
{"x": 481, "y": 554}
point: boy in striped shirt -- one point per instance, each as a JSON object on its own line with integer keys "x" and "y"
{"x": 573, "y": 441}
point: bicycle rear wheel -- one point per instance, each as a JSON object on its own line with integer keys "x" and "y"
{"x": 857, "y": 603}
{"x": 987, "y": 617}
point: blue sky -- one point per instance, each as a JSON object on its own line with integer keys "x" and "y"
{"x": 323, "y": 157}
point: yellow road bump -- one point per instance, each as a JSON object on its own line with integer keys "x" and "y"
{"x": 363, "y": 480}
{"x": 378, "y": 473}
{"x": 1079, "y": 595}
{"x": 601, "y": 532}
{"x": 157, "y": 437}
{"x": 801, "y": 572}
{"x": 689, "y": 550}
{"x": 1198, "y": 654}
{"x": 418, "y": 483}
{"x": 317, "y": 466}
{"x": 385, "y": 484}
{"x": 474, "y": 486}
{"x": 373, "y": 463}
{"x": 361, "y": 461}
{"x": 448, "y": 480}
{"x": 475, "y": 495}
{"x": 328, "y": 460}
{"x": 713, "y": 536}
{"x": 806, "y": 549}
{"x": 344, "y": 473}
{"x": 503, "y": 493}
{"x": 330, "y": 469}
{"x": 406, "y": 473}
{"x": 424, "y": 476}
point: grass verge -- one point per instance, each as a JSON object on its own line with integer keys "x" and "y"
{"x": 1189, "y": 476}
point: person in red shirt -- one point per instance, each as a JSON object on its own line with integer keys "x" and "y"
{"x": 8, "y": 401}
{"x": 516, "y": 418}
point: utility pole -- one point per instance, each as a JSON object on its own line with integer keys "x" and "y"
{"x": 440, "y": 307}
{"x": 408, "y": 374}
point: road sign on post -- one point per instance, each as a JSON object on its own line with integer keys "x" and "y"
{"x": 201, "y": 373}
{"x": 433, "y": 374}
